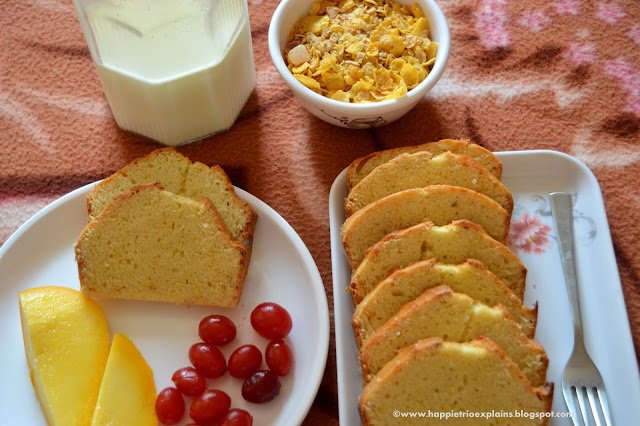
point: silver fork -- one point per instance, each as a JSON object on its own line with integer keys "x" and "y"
{"x": 581, "y": 381}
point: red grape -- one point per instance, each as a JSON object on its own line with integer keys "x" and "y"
{"x": 217, "y": 330}
{"x": 237, "y": 417}
{"x": 271, "y": 320}
{"x": 169, "y": 406}
{"x": 208, "y": 360}
{"x": 189, "y": 381}
{"x": 209, "y": 406}
{"x": 278, "y": 357}
{"x": 262, "y": 386}
{"x": 245, "y": 361}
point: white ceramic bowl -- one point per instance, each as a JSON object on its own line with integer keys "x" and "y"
{"x": 352, "y": 115}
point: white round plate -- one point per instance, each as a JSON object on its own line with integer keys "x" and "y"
{"x": 282, "y": 270}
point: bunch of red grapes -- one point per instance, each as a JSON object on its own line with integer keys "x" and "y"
{"x": 212, "y": 406}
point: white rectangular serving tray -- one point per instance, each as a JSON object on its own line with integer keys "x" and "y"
{"x": 531, "y": 176}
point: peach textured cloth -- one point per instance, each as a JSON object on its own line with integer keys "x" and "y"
{"x": 536, "y": 74}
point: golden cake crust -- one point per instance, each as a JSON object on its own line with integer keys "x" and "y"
{"x": 440, "y": 204}
{"x": 417, "y": 357}
{"x": 179, "y": 175}
{"x": 459, "y": 317}
{"x": 464, "y": 240}
{"x": 200, "y": 287}
{"x": 362, "y": 166}
{"x": 404, "y": 285}
{"x": 422, "y": 169}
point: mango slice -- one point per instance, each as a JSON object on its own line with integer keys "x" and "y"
{"x": 66, "y": 340}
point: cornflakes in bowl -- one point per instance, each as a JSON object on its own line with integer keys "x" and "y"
{"x": 359, "y": 63}
{"x": 361, "y": 50}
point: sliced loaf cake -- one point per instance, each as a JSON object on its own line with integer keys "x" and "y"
{"x": 471, "y": 278}
{"x": 451, "y": 244}
{"x": 440, "y": 204}
{"x": 361, "y": 167}
{"x": 421, "y": 169}
{"x": 437, "y": 376}
{"x": 151, "y": 244}
{"x": 439, "y": 312}
{"x": 179, "y": 175}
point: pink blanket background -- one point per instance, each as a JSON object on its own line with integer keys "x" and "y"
{"x": 561, "y": 75}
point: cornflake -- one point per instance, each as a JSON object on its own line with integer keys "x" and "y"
{"x": 361, "y": 50}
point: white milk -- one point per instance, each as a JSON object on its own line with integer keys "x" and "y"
{"x": 173, "y": 70}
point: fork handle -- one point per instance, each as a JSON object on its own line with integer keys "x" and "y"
{"x": 562, "y": 209}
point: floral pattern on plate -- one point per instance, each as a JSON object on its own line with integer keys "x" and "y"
{"x": 532, "y": 225}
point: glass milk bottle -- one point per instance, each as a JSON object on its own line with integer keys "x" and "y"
{"x": 172, "y": 70}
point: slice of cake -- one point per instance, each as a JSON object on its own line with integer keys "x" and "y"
{"x": 361, "y": 167}
{"x": 451, "y": 244}
{"x": 440, "y": 204}
{"x": 177, "y": 174}
{"x": 439, "y": 312}
{"x": 151, "y": 244}
{"x": 66, "y": 340}
{"x": 404, "y": 285}
{"x": 128, "y": 392}
{"x": 443, "y": 377}
{"x": 202, "y": 181}
{"x": 421, "y": 169}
